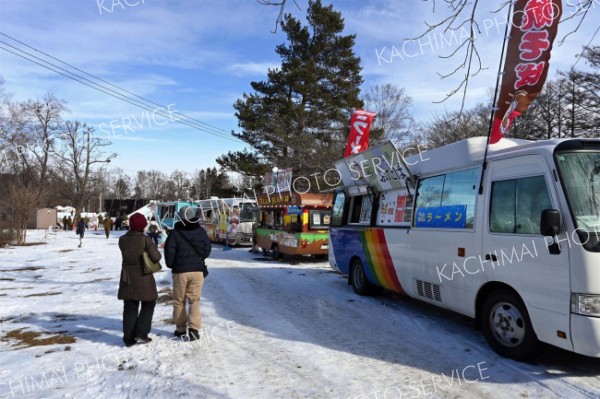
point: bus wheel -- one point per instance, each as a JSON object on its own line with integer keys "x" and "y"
{"x": 360, "y": 284}
{"x": 506, "y": 326}
{"x": 276, "y": 254}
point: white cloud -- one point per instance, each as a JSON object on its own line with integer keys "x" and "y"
{"x": 252, "y": 68}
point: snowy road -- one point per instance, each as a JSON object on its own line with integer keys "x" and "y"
{"x": 271, "y": 330}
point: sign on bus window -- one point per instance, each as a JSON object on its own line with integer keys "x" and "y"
{"x": 448, "y": 200}
{"x": 395, "y": 208}
{"x": 450, "y": 216}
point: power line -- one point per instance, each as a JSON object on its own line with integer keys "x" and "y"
{"x": 109, "y": 83}
{"x": 188, "y": 121}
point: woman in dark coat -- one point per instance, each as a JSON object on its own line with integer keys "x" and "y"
{"x": 135, "y": 287}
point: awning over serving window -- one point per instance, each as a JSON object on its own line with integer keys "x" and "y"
{"x": 382, "y": 167}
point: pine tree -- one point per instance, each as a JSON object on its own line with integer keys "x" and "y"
{"x": 299, "y": 116}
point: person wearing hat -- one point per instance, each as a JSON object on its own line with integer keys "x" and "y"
{"x": 135, "y": 287}
{"x": 186, "y": 248}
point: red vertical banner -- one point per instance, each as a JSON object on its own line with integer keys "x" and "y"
{"x": 360, "y": 126}
{"x": 534, "y": 27}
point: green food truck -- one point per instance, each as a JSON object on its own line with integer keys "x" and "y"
{"x": 294, "y": 224}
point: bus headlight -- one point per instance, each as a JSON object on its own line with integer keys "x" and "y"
{"x": 585, "y": 304}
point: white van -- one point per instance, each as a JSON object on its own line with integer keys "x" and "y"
{"x": 514, "y": 244}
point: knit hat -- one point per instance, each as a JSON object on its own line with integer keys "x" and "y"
{"x": 137, "y": 222}
{"x": 188, "y": 214}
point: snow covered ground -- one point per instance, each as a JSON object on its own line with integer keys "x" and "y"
{"x": 270, "y": 330}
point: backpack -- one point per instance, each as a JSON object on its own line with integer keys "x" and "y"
{"x": 153, "y": 228}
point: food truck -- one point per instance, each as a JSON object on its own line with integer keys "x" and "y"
{"x": 229, "y": 219}
{"x": 294, "y": 224}
{"x": 509, "y": 236}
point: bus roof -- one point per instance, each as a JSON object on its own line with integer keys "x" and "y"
{"x": 383, "y": 166}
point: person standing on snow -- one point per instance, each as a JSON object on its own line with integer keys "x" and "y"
{"x": 186, "y": 248}
{"x": 108, "y": 223}
{"x": 80, "y": 231}
{"x": 135, "y": 287}
{"x": 153, "y": 231}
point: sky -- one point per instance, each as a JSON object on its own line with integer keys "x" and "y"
{"x": 197, "y": 57}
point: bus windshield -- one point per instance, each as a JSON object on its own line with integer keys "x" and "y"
{"x": 248, "y": 213}
{"x": 581, "y": 176}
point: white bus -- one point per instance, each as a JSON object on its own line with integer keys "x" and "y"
{"x": 521, "y": 256}
{"x": 231, "y": 219}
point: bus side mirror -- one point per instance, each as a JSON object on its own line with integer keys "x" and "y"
{"x": 550, "y": 223}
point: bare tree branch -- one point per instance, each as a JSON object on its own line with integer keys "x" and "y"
{"x": 462, "y": 13}
{"x": 281, "y": 5}
{"x": 581, "y": 10}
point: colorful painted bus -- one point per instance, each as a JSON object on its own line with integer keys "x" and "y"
{"x": 231, "y": 219}
{"x": 517, "y": 249}
{"x": 167, "y": 213}
{"x": 294, "y": 224}
{"x": 224, "y": 219}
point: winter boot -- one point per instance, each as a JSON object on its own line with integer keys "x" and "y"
{"x": 193, "y": 334}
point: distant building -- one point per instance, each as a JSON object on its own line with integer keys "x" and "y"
{"x": 42, "y": 218}
{"x": 115, "y": 207}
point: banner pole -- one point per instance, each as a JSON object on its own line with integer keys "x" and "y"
{"x": 498, "y": 84}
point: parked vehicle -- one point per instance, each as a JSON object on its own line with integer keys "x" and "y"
{"x": 167, "y": 213}
{"x": 518, "y": 250}
{"x": 294, "y": 224}
{"x": 231, "y": 219}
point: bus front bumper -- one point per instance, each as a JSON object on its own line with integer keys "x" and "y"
{"x": 585, "y": 335}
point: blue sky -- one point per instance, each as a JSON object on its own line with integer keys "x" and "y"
{"x": 199, "y": 56}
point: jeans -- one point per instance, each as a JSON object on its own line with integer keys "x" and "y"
{"x": 137, "y": 323}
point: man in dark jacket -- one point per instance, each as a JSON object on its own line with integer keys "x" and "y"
{"x": 186, "y": 248}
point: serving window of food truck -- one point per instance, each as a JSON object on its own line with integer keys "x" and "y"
{"x": 294, "y": 224}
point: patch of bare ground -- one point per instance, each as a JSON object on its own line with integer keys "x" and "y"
{"x": 98, "y": 280}
{"x": 25, "y": 339}
{"x": 43, "y": 294}
{"x": 91, "y": 270}
{"x": 166, "y": 297}
{"x": 65, "y": 250}
{"x": 6, "y": 279}
{"x": 15, "y": 288}
{"x": 23, "y": 269}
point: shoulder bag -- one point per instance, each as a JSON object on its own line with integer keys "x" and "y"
{"x": 149, "y": 265}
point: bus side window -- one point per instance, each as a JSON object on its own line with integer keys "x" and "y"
{"x": 516, "y": 205}
{"x": 337, "y": 217}
{"x": 361, "y": 209}
{"x": 355, "y": 209}
{"x": 447, "y": 201}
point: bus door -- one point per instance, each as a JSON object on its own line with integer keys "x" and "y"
{"x": 443, "y": 239}
{"x": 514, "y": 251}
